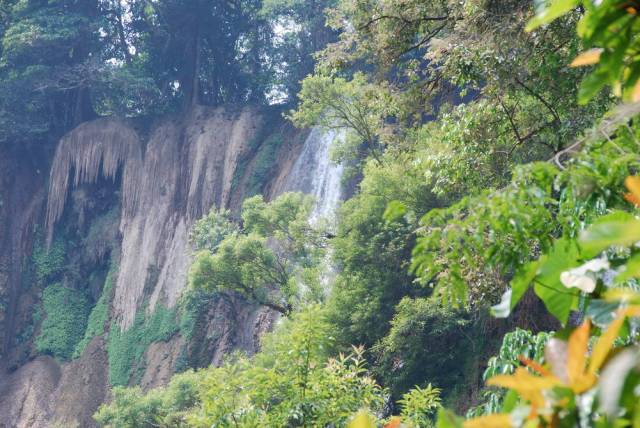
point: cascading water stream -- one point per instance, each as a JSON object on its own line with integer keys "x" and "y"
{"x": 315, "y": 174}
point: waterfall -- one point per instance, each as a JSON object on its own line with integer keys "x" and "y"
{"x": 315, "y": 174}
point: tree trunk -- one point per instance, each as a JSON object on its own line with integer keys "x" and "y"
{"x": 121, "y": 32}
{"x": 191, "y": 80}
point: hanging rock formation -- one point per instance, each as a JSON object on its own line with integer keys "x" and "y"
{"x": 187, "y": 167}
{"x": 128, "y": 195}
{"x": 163, "y": 178}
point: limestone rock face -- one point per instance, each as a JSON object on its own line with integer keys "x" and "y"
{"x": 27, "y": 394}
{"x": 169, "y": 180}
{"x": 22, "y": 196}
{"x": 165, "y": 176}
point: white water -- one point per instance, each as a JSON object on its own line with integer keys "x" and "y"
{"x": 315, "y": 174}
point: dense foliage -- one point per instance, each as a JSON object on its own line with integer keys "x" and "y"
{"x": 290, "y": 383}
{"x": 126, "y": 347}
{"x": 97, "y": 321}
{"x": 272, "y": 261}
{"x": 66, "y": 312}
{"x": 488, "y": 157}
{"x": 66, "y": 61}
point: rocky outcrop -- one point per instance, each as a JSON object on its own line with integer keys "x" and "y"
{"x": 187, "y": 166}
{"x": 22, "y": 196}
{"x": 83, "y": 386}
{"x": 162, "y": 176}
{"x": 42, "y": 393}
{"x": 27, "y": 394}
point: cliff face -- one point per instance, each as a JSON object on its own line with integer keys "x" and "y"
{"x": 22, "y": 196}
{"x": 128, "y": 198}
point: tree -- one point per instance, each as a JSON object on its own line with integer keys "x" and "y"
{"x": 205, "y": 51}
{"x": 300, "y": 31}
{"x": 46, "y": 49}
{"x": 271, "y": 261}
{"x": 399, "y": 65}
{"x": 63, "y": 61}
{"x": 356, "y": 106}
{"x": 426, "y": 343}
{"x": 608, "y": 34}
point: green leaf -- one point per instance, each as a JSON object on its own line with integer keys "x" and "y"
{"x": 558, "y": 299}
{"x": 519, "y": 286}
{"x": 592, "y": 84}
{"x": 394, "y": 211}
{"x": 602, "y": 312}
{"x": 448, "y": 419}
{"x": 631, "y": 269}
{"x": 554, "y": 11}
{"x": 522, "y": 280}
{"x": 618, "y": 228}
{"x": 510, "y": 401}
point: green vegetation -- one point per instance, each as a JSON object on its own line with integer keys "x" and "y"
{"x": 208, "y": 232}
{"x": 264, "y": 165}
{"x": 290, "y": 383}
{"x": 126, "y": 348}
{"x": 490, "y": 171}
{"x": 243, "y": 263}
{"x": 64, "y": 61}
{"x": 49, "y": 262}
{"x": 99, "y": 314}
{"x": 516, "y": 345}
{"x": 66, "y": 312}
{"x": 192, "y": 306}
{"x": 489, "y": 157}
{"x": 419, "y": 327}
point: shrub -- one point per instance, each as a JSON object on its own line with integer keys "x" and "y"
{"x": 126, "y": 348}
{"x": 289, "y": 383}
{"x": 193, "y": 305}
{"x": 518, "y": 343}
{"x": 264, "y": 164}
{"x": 99, "y": 314}
{"x": 419, "y": 406}
{"x": 422, "y": 327}
{"x": 48, "y": 262}
{"x": 66, "y": 312}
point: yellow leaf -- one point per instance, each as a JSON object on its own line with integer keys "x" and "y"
{"x": 362, "y": 420}
{"x": 535, "y": 366}
{"x": 583, "y": 382}
{"x": 579, "y": 379}
{"x": 497, "y": 420}
{"x": 395, "y": 422}
{"x": 529, "y": 387}
{"x": 621, "y": 295}
{"x": 630, "y": 197}
{"x": 633, "y": 182}
{"x": 632, "y": 311}
{"x": 635, "y": 95}
{"x": 590, "y": 57}
{"x": 577, "y": 355}
{"x": 604, "y": 344}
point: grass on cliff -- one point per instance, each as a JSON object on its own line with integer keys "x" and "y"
{"x": 66, "y": 312}
{"x": 49, "y": 262}
{"x": 126, "y": 348}
{"x": 99, "y": 314}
